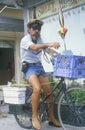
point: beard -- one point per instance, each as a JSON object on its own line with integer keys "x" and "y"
{"x": 35, "y": 37}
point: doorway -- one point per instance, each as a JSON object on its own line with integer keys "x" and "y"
{"x": 6, "y": 65}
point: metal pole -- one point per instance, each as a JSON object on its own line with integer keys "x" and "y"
{"x": 26, "y": 19}
{"x": 64, "y": 44}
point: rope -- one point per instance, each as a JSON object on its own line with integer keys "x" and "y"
{"x": 62, "y": 30}
{"x": 27, "y": 85}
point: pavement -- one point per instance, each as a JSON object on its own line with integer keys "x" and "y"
{"x": 8, "y": 122}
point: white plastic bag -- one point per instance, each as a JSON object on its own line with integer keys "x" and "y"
{"x": 46, "y": 62}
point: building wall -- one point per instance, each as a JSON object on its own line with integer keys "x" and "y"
{"x": 16, "y": 37}
{"x": 74, "y": 20}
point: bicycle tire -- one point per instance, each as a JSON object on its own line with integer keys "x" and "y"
{"x": 23, "y": 113}
{"x": 71, "y": 109}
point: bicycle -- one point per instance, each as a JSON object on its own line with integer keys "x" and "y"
{"x": 66, "y": 100}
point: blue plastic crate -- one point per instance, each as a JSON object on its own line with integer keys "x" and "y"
{"x": 69, "y": 66}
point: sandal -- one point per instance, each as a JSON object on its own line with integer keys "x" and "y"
{"x": 36, "y": 124}
{"x": 54, "y": 123}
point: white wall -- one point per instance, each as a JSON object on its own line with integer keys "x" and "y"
{"x": 75, "y": 23}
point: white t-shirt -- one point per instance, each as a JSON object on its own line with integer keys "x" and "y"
{"x": 28, "y": 54}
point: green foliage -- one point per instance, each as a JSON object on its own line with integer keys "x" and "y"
{"x": 79, "y": 96}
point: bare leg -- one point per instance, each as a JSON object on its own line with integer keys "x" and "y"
{"x": 35, "y": 100}
{"x": 47, "y": 89}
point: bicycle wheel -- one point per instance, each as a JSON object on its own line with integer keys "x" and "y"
{"x": 71, "y": 109}
{"x": 23, "y": 113}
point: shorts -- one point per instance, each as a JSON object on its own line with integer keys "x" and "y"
{"x": 35, "y": 69}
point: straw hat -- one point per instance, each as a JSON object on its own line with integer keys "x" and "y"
{"x": 35, "y": 21}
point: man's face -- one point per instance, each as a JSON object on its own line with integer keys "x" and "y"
{"x": 34, "y": 32}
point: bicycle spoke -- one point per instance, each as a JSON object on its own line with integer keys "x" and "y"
{"x": 24, "y": 121}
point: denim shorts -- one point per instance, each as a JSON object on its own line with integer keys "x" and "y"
{"x": 35, "y": 69}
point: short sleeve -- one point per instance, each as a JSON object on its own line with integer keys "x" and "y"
{"x": 26, "y": 42}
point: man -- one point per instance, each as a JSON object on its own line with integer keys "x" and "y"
{"x": 30, "y": 49}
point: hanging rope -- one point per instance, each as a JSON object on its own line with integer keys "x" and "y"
{"x": 61, "y": 17}
{"x": 63, "y": 30}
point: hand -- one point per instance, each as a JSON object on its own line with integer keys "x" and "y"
{"x": 55, "y": 45}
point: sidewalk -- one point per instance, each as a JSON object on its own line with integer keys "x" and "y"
{"x": 8, "y": 122}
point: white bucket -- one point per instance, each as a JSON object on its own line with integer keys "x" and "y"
{"x": 14, "y": 95}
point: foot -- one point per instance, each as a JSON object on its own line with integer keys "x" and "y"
{"x": 36, "y": 124}
{"x": 54, "y": 122}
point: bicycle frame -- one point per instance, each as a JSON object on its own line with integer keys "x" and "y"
{"x": 61, "y": 85}
{"x": 61, "y": 88}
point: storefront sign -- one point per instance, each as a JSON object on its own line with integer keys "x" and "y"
{"x": 47, "y": 9}
{"x": 67, "y": 4}
{"x": 50, "y": 8}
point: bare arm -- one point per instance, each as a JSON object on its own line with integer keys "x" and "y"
{"x": 45, "y": 45}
